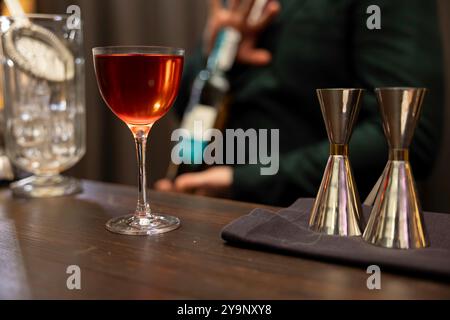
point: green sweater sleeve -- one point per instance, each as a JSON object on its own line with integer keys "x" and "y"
{"x": 405, "y": 52}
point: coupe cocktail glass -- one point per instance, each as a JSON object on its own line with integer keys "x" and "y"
{"x": 139, "y": 84}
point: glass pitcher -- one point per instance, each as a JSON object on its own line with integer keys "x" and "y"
{"x": 43, "y": 88}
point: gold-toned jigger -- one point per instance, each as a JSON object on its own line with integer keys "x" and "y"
{"x": 337, "y": 208}
{"x": 396, "y": 219}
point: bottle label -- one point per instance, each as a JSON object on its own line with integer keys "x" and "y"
{"x": 228, "y": 49}
{"x": 196, "y": 121}
{"x": 203, "y": 114}
{"x": 230, "y": 38}
{"x": 192, "y": 151}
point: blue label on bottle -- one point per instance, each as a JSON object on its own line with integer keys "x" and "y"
{"x": 192, "y": 151}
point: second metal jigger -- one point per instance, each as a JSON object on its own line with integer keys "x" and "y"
{"x": 396, "y": 218}
{"x": 337, "y": 208}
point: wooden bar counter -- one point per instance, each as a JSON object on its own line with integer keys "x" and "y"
{"x": 41, "y": 238}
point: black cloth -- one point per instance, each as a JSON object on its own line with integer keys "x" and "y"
{"x": 287, "y": 231}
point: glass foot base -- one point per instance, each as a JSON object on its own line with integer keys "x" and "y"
{"x": 43, "y": 187}
{"x": 131, "y": 225}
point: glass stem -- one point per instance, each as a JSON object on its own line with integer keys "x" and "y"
{"x": 143, "y": 207}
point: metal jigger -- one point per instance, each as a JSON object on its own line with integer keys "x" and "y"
{"x": 396, "y": 218}
{"x": 337, "y": 208}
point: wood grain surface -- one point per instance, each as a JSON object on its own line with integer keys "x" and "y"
{"x": 40, "y": 238}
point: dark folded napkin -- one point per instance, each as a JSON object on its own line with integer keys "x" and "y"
{"x": 287, "y": 231}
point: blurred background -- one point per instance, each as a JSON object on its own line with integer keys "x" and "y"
{"x": 110, "y": 148}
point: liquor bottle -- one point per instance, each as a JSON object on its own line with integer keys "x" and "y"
{"x": 207, "y": 105}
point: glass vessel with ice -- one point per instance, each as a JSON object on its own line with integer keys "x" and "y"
{"x": 43, "y": 87}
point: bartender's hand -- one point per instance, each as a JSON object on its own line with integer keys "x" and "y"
{"x": 212, "y": 182}
{"x": 235, "y": 15}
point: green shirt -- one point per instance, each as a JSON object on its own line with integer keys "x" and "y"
{"x": 326, "y": 44}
